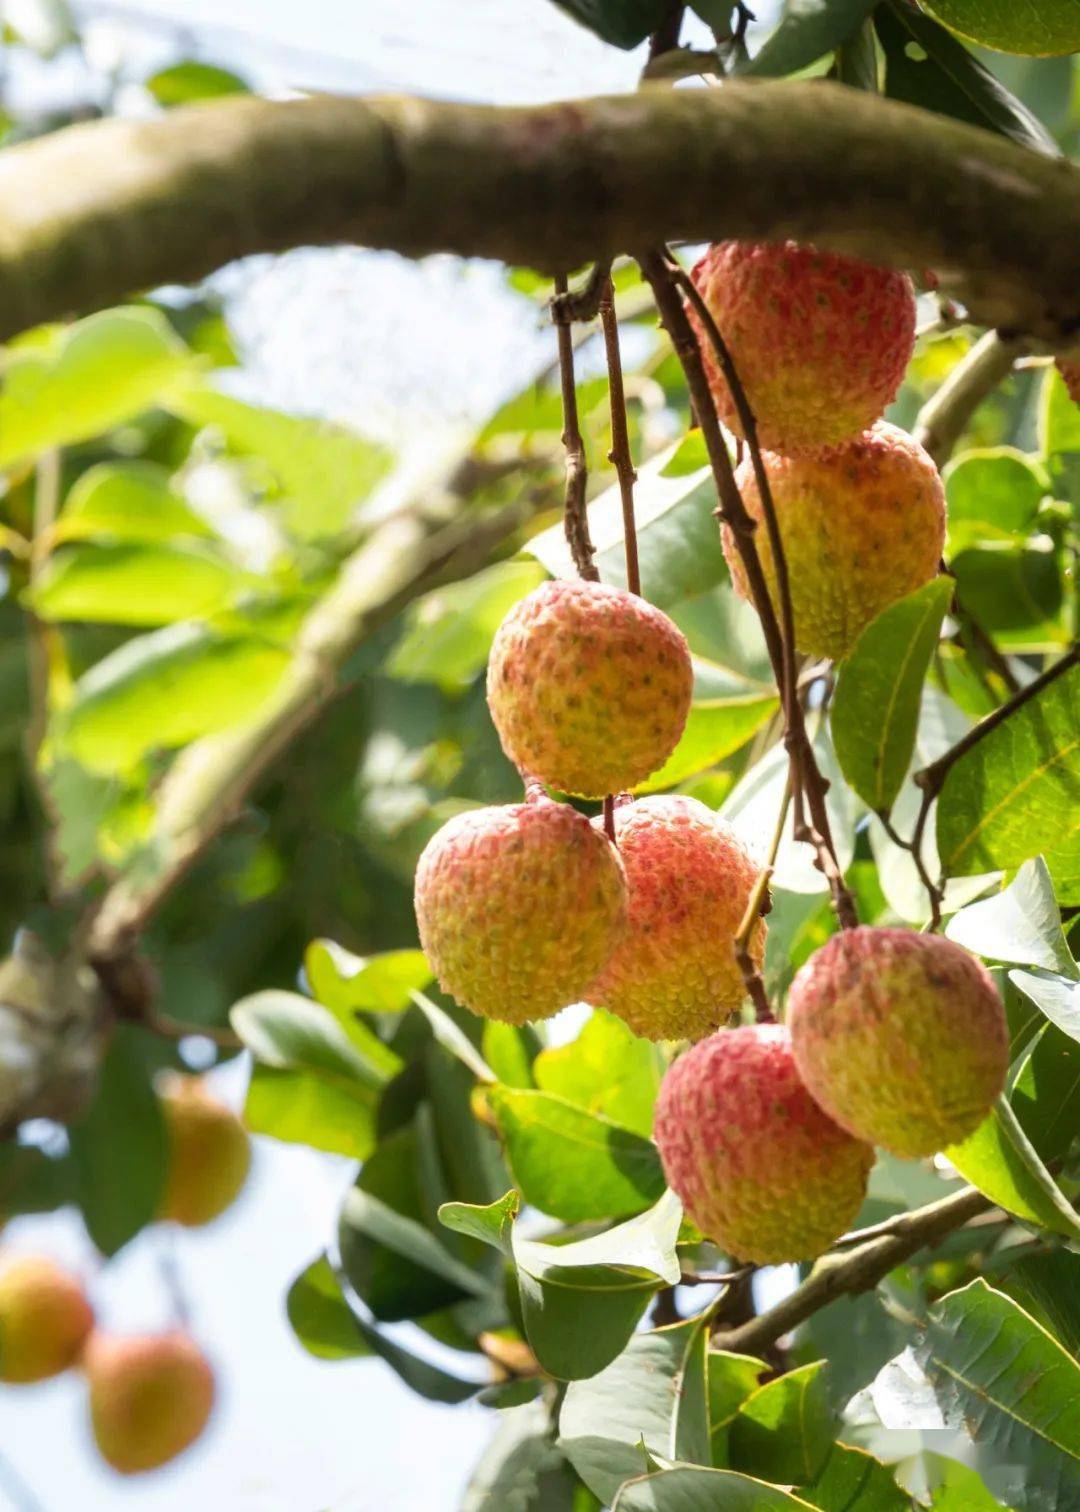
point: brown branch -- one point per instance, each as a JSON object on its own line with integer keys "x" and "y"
{"x": 620, "y": 455}
{"x": 666, "y": 36}
{"x": 855, "y": 1270}
{"x": 570, "y": 305}
{"x": 575, "y": 512}
{"x": 944, "y": 417}
{"x": 934, "y": 891}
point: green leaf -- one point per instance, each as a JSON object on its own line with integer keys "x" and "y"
{"x": 714, "y": 729}
{"x": 807, "y": 31}
{"x": 624, "y": 23}
{"x": 1016, "y": 593}
{"x": 491, "y": 1224}
{"x": 999, "y": 1159}
{"x": 303, "y": 1107}
{"x": 511, "y": 1052}
{"x": 118, "y": 1146}
{"x": 1014, "y": 793}
{"x": 1020, "y": 924}
{"x": 1015, "y": 1388}
{"x": 448, "y": 633}
{"x": 291, "y": 1033}
{"x": 926, "y": 66}
{"x": 786, "y": 1428}
{"x": 678, "y": 542}
{"x": 732, "y": 1378}
{"x": 365, "y": 1218}
{"x": 1059, "y": 418}
{"x": 126, "y": 501}
{"x": 689, "y": 1488}
{"x": 1047, "y": 1284}
{"x": 452, "y": 1038}
{"x": 521, "y": 1469}
{"x": 1056, "y": 996}
{"x": 875, "y": 712}
{"x": 993, "y": 495}
{"x": 133, "y": 583}
{"x": 607, "y": 1070}
{"x": 321, "y": 1318}
{"x": 31, "y": 1181}
{"x": 185, "y": 82}
{"x": 856, "y": 62}
{"x": 654, "y": 1393}
{"x": 854, "y": 1481}
{"x": 1044, "y": 1094}
{"x": 346, "y": 983}
{"x": 164, "y": 689}
{"x": 93, "y": 376}
{"x": 572, "y": 1164}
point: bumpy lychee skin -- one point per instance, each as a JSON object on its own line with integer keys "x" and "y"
{"x": 150, "y": 1397}
{"x": 674, "y": 974}
{"x": 209, "y": 1153}
{"x": 759, "y": 1167}
{"x": 45, "y": 1319}
{"x": 519, "y": 907}
{"x": 1070, "y": 372}
{"x": 589, "y": 687}
{"x": 820, "y": 342}
{"x": 861, "y": 528}
{"x": 900, "y": 1037}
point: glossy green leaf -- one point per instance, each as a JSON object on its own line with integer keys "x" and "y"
{"x": 164, "y": 689}
{"x": 511, "y": 1052}
{"x": 875, "y": 711}
{"x": 808, "y": 29}
{"x": 304, "y": 1107}
{"x": 1014, "y": 792}
{"x": 184, "y": 83}
{"x": 689, "y": 1488}
{"x": 654, "y": 1393}
{"x": 624, "y": 23}
{"x": 993, "y": 495}
{"x": 94, "y": 375}
{"x": 321, "y": 1318}
{"x": 382, "y": 983}
{"x": 1020, "y": 924}
{"x": 573, "y": 1164}
{"x": 448, "y": 633}
{"x": 134, "y": 583}
{"x": 1045, "y": 1095}
{"x": 854, "y": 1481}
{"x": 1058, "y": 997}
{"x": 607, "y": 1070}
{"x": 732, "y": 1378}
{"x": 491, "y": 1224}
{"x": 291, "y": 1033}
{"x": 522, "y": 1469}
{"x": 453, "y": 1038}
{"x": 1015, "y": 1388}
{"x": 1016, "y": 593}
{"x": 786, "y": 1428}
{"x": 1047, "y": 1284}
{"x": 365, "y": 1217}
{"x": 715, "y": 728}
{"x": 1000, "y": 1160}
{"x": 126, "y": 501}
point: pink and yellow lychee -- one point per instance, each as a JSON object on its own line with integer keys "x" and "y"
{"x": 150, "y": 1397}
{"x": 45, "y": 1319}
{"x": 209, "y": 1153}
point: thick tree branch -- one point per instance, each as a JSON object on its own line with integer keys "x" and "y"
{"x": 942, "y": 419}
{"x": 94, "y": 212}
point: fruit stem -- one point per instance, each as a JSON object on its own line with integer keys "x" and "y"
{"x": 575, "y": 513}
{"x": 620, "y": 455}
{"x": 756, "y": 906}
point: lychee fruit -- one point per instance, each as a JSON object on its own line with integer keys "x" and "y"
{"x": 860, "y": 527}
{"x": 150, "y": 1397}
{"x": 1070, "y": 372}
{"x": 45, "y": 1319}
{"x": 589, "y": 687}
{"x": 209, "y": 1153}
{"x": 901, "y": 1037}
{"x": 819, "y": 341}
{"x": 519, "y": 907}
{"x": 674, "y": 973}
{"x": 759, "y": 1167}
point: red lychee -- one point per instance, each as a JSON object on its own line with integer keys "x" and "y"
{"x": 861, "y": 528}
{"x": 589, "y": 687}
{"x": 819, "y": 341}
{"x": 674, "y": 974}
{"x": 519, "y": 907}
{"x": 1070, "y": 372}
{"x": 45, "y": 1319}
{"x": 901, "y": 1037}
{"x": 150, "y": 1397}
{"x": 759, "y": 1167}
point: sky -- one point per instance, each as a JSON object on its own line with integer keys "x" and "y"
{"x": 319, "y": 331}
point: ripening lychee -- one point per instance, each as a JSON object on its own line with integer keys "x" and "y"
{"x": 45, "y": 1319}
{"x": 209, "y": 1153}
{"x": 820, "y": 342}
{"x": 861, "y": 528}
{"x": 759, "y": 1167}
{"x": 150, "y": 1397}
{"x": 901, "y": 1037}
{"x": 519, "y": 907}
{"x": 1070, "y": 372}
{"x": 589, "y": 687}
{"x": 674, "y": 974}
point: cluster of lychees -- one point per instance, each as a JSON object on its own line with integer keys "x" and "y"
{"x": 150, "y": 1395}
{"x": 766, "y": 1131}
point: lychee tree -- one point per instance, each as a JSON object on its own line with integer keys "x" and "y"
{"x": 759, "y": 753}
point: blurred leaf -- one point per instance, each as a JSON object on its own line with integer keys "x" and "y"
{"x": 133, "y": 583}
{"x": 1016, "y": 593}
{"x": 1020, "y": 924}
{"x": 875, "y": 711}
{"x": 689, "y": 1488}
{"x": 1044, "y": 1094}
{"x": 511, "y": 1053}
{"x": 714, "y": 729}
{"x": 321, "y": 1318}
{"x": 521, "y": 1469}
{"x": 854, "y": 1481}
{"x": 453, "y": 1038}
{"x": 382, "y": 983}
{"x": 448, "y": 633}
{"x": 31, "y": 1181}
{"x": 725, "y": 630}
{"x": 1059, "y": 434}
{"x": 856, "y": 59}
{"x": 807, "y": 30}
{"x": 303, "y": 1107}
{"x": 126, "y": 501}
{"x": 572, "y": 1164}
{"x": 182, "y": 83}
{"x": 1000, "y": 1160}
{"x": 96, "y": 374}
{"x": 291, "y": 1033}
{"x": 164, "y": 689}
{"x": 368, "y": 1225}
{"x": 624, "y": 23}
{"x": 45, "y": 26}
{"x": 1017, "y": 1390}
{"x": 1014, "y": 792}
{"x": 786, "y": 1428}
{"x": 118, "y": 1147}
{"x": 655, "y": 1392}
{"x": 993, "y": 495}
{"x": 1056, "y": 996}
{"x": 607, "y": 1070}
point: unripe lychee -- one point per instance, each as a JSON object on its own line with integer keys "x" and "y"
{"x": 209, "y": 1153}
{"x": 45, "y": 1319}
{"x": 901, "y": 1037}
{"x": 150, "y": 1397}
{"x": 519, "y": 907}
{"x": 759, "y": 1167}
{"x": 1070, "y": 372}
{"x": 861, "y": 528}
{"x": 819, "y": 341}
{"x": 674, "y": 974}
{"x": 589, "y": 687}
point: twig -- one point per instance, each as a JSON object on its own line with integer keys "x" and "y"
{"x": 934, "y": 891}
{"x": 901, "y": 1223}
{"x": 715, "y": 1278}
{"x": 942, "y": 419}
{"x": 980, "y": 638}
{"x": 575, "y": 516}
{"x": 855, "y": 1270}
{"x": 620, "y": 455}
{"x": 755, "y": 986}
{"x": 570, "y": 305}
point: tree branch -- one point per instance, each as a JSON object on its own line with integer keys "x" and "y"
{"x": 943, "y": 418}
{"x": 95, "y": 211}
